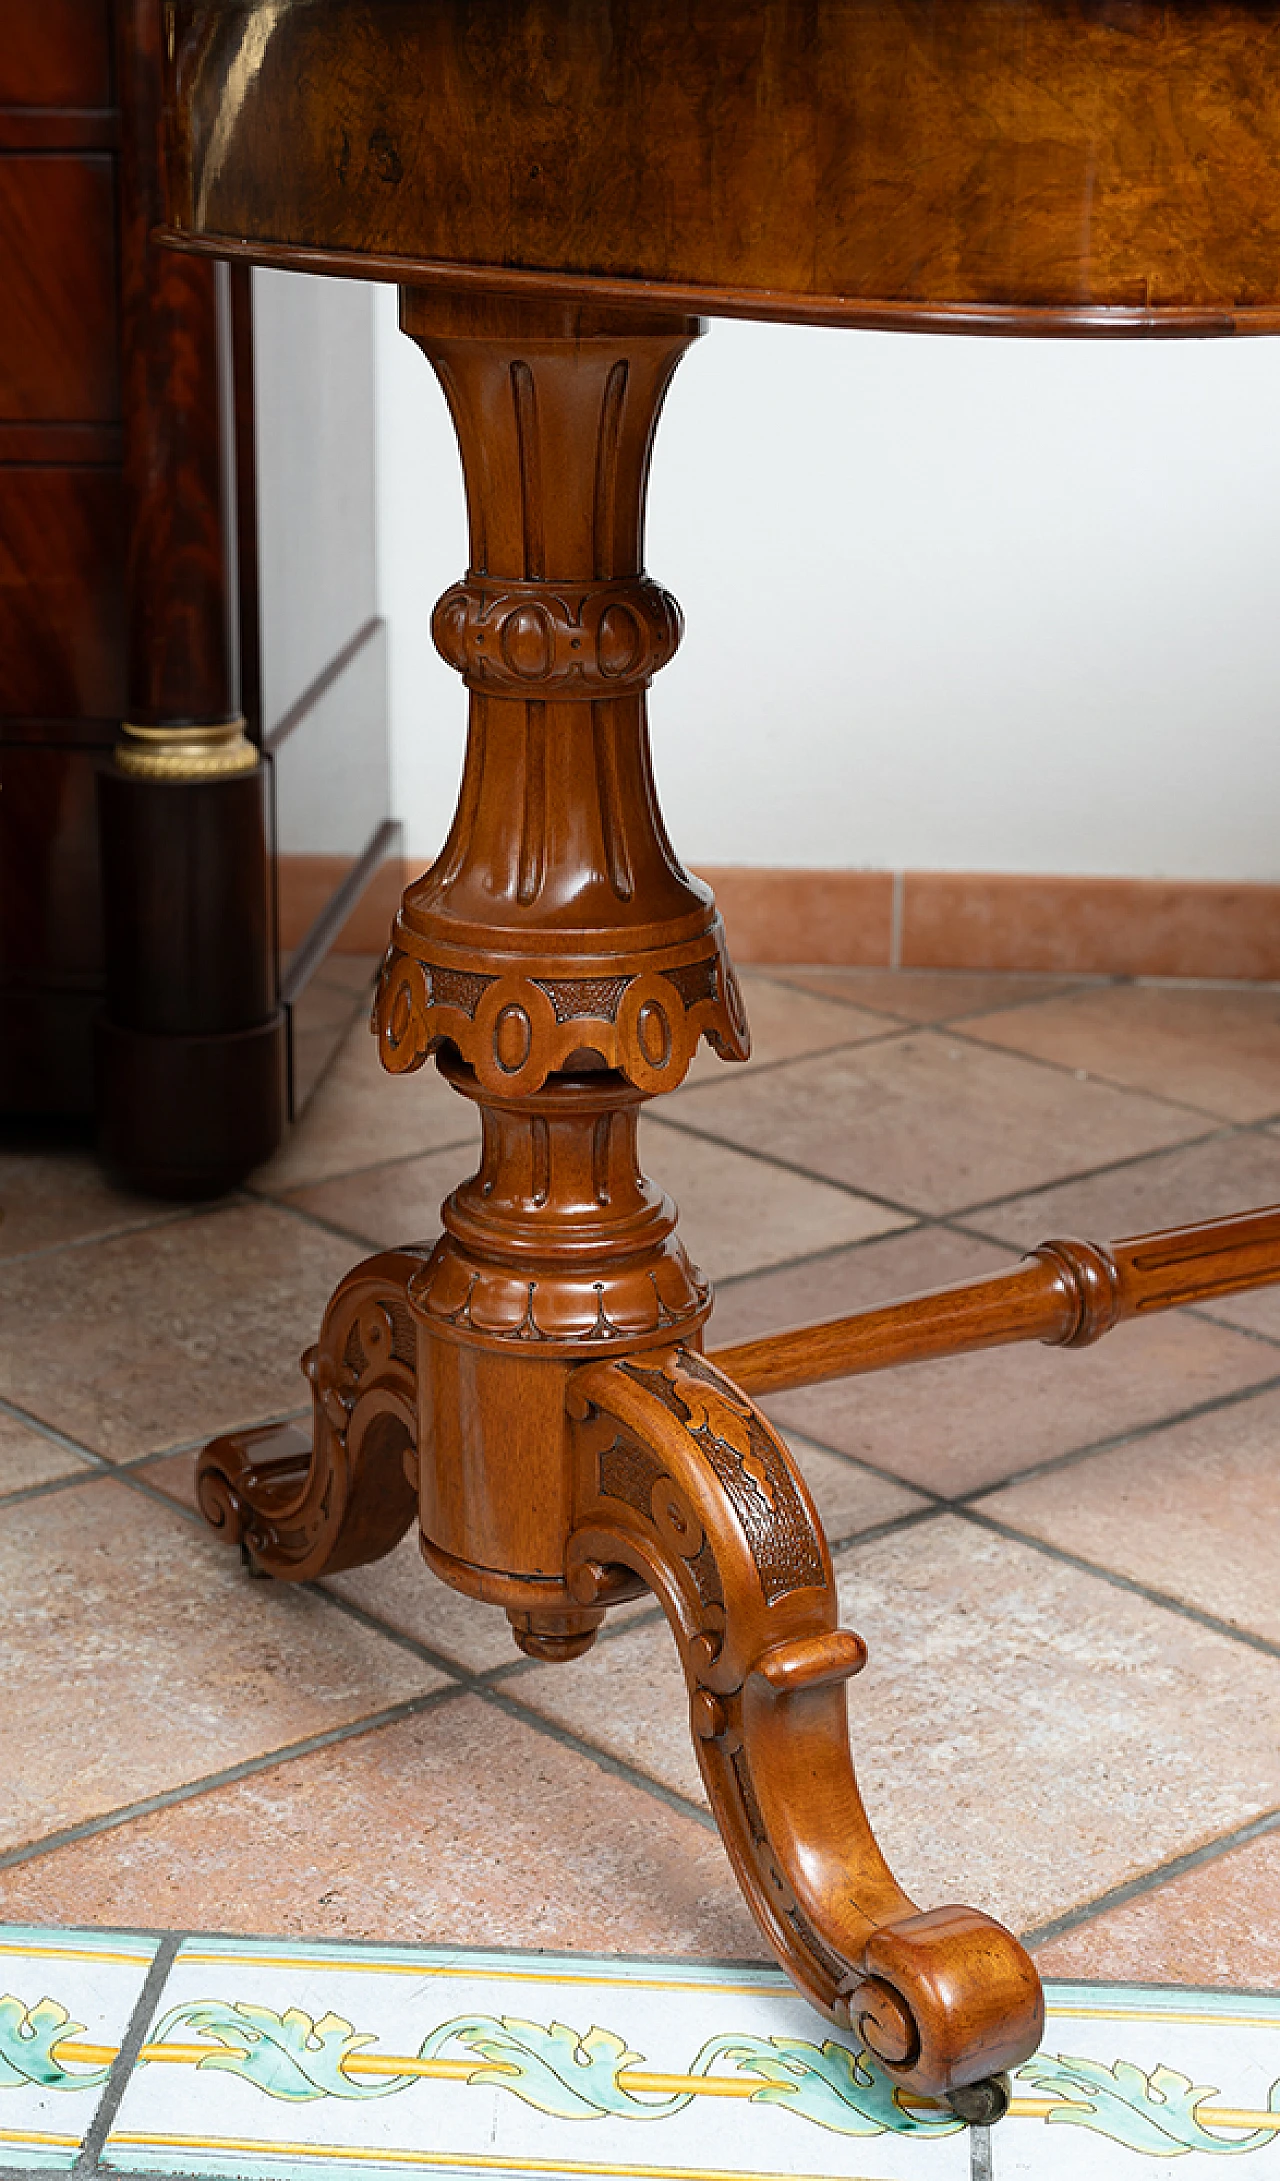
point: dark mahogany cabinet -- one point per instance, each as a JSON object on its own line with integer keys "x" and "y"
{"x": 142, "y": 985}
{"x": 62, "y": 535}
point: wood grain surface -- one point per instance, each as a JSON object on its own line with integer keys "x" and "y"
{"x": 917, "y": 162}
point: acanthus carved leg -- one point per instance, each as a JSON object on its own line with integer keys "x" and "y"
{"x": 301, "y": 1505}
{"x": 683, "y": 1481}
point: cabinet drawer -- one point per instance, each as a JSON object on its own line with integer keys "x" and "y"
{"x": 62, "y": 635}
{"x": 59, "y": 360}
{"x": 55, "y": 53}
{"x": 50, "y": 905}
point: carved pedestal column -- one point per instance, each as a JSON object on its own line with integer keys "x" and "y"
{"x": 557, "y": 928}
{"x": 569, "y": 1444}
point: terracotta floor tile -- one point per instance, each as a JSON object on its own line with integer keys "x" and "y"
{"x": 926, "y": 995}
{"x": 388, "y": 1205}
{"x": 1217, "y": 1047}
{"x": 27, "y": 1457}
{"x": 1193, "y": 1511}
{"x": 163, "y": 1660}
{"x": 787, "y": 1020}
{"x": 628, "y": 1697}
{"x": 932, "y": 1122}
{"x": 1065, "y": 1735}
{"x": 165, "y": 1336}
{"x": 402, "y": 1592}
{"x": 1257, "y": 1312}
{"x": 361, "y": 1116}
{"x": 350, "y": 972}
{"x": 956, "y": 1425}
{"x": 1227, "y": 1172}
{"x": 51, "y": 1197}
{"x": 459, "y": 1824}
{"x": 739, "y": 1213}
{"x": 320, "y": 1020}
{"x": 1026, "y": 1735}
{"x": 327, "y": 1003}
{"x": 1217, "y": 1924}
{"x": 841, "y": 1281}
{"x": 849, "y": 1498}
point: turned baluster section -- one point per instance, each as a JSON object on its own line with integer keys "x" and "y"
{"x": 1065, "y": 1293}
{"x": 557, "y": 921}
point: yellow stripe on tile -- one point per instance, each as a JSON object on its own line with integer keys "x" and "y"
{"x": 1201, "y": 2015}
{"x": 28, "y": 2136}
{"x": 75, "y": 1953}
{"x": 531, "y": 1975}
{"x": 264, "y": 2148}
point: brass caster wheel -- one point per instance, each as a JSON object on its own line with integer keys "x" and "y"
{"x": 982, "y": 2104}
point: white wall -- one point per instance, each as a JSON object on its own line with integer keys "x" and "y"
{"x": 314, "y": 398}
{"x": 952, "y": 603}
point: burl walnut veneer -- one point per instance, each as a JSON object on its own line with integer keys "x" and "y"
{"x": 556, "y": 185}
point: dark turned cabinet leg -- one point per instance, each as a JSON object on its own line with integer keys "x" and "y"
{"x": 190, "y": 1051}
{"x": 191, "y": 1048}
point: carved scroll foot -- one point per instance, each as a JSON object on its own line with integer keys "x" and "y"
{"x": 680, "y": 1479}
{"x": 301, "y": 1506}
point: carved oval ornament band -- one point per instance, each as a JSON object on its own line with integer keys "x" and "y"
{"x": 515, "y": 1028}
{"x": 527, "y": 639}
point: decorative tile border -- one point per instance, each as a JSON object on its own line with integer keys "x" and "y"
{"x": 271, "y": 2060}
{"x": 66, "y": 1998}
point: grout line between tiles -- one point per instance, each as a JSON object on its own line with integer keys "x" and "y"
{"x": 913, "y": 1519}
{"x": 104, "y": 1234}
{"x": 37, "y": 1424}
{"x": 815, "y": 1257}
{"x": 105, "y": 1465}
{"x": 960, "y": 1501}
{"x": 783, "y": 974}
{"x": 981, "y": 2167}
{"x": 52, "y": 1484}
{"x": 956, "y": 1219}
{"x": 1209, "y": 1851}
{"x": 258, "y": 1195}
{"x": 125, "y": 1813}
{"x": 1222, "y": 1133}
{"x": 1160, "y": 1598}
{"x": 897, "y": 904}
{"x": 909, "y": 1214}
{"x": 401, "y": 1636}
{"x": 893, "y": 1029}
{"x": 603, "y": 1758}
{"x": 1093, "y": 1075}
{"x": 1226, "y": 1325}
{"x": 1233, "y": 1399}
{"x": 778, "y": 975}
{"x": 125, "y": 2060}
{"x": 224, "y": 1431}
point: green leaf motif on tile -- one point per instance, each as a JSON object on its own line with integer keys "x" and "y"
{"x": 555, "y": 2069}
{"x": 289, "y": 2056}
{"x": 1153, "y": 2113}
{"x": 827, "y": 2084}
{"x": 27, "y": 2038}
